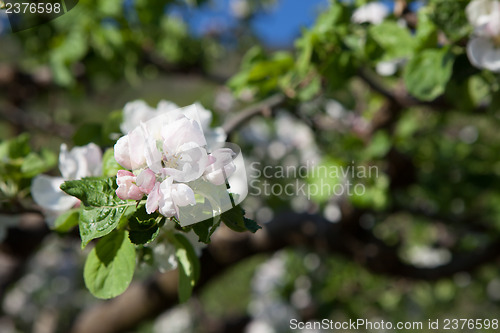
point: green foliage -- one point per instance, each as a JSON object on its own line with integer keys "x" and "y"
{"x": 67, "y": 220}
{"x": 449, "y": 16}
{"x": 18, "y": 164}
{"x": 321, "y": 176}
{"x": 109, "y": 165}
{"x": 102, "y": 209}
{"x": 235, "y": 219}
{"x": 143, "y": 227}
{"x": 103, "y": 32}
{"x": 261, "y": 73}
{"x": 427, "y": 74}
{"x": 34, "y": 164}
{"x": 189, "y": 265}
{"x": 110, "y": 266}
{"x": 395, "y": 41}
{"x": 205, "y": 229}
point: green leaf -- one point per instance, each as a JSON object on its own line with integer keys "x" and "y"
{"x": 310, "y": 90}
{"x": 427, "y": 74}
{"x": 35, "y": 163}
{"x": 102, "y": 209}
{"x": 327, "y": 173}
{"x": 17, "y": 147}
{"x": 110, "y": 266}
{"x": 143, "y": 226}
{"x": 426, "y": 35}
{"x": 395, "y": 40}
{"x": 189, "y": 265}
{"x": 205, "y": 229}
{"x": 67, "y": 220}
{"x": 235, "y": 219}
{"x": 110, "y": 166}
{"x": 280, "y": 63}
{"x": 379, "y": 145}
{"x": 251, "y": 225}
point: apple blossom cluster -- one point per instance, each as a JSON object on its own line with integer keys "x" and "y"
{"x": 483, "y": 49}
{"x": 163, "y": 156}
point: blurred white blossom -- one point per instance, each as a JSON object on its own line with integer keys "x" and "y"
{"x": 240, "y": 8}
{"x": 483, "y": 49}
{"x": 373, "y": 12}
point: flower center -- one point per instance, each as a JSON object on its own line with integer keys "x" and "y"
{"x": 171, "y": 161}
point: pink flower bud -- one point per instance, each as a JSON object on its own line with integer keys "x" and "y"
{"x": 127, "y": 189}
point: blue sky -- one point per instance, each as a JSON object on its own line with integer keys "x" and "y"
{"x": 278, "y": 27}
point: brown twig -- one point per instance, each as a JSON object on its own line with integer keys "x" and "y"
{"x": 263, "y": 107}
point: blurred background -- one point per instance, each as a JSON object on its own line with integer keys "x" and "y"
{"x": 422, "y": 241}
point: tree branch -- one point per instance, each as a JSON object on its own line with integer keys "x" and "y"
{"x": 263, "y": 107}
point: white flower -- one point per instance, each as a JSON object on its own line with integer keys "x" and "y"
{"x": 131, "y": 156}
{"x": 134, "y": 113}
{"x": 173, "y": 149}
{"x": 221, "y": 166}
{"x": 169, "y": 160}
{"x": 80, "y": 161}
{"x": 484, "y": 16}
{"x": 373, "y": 12}
{"x": 77, "y": 163}
{"x": 483, "y": 48}
{"x": 173, "y": 196}
{"x": 137, "y": 112}
{"x": 185, "y": 158}
{"x": 483, "y": 53}
{"x": 240, "y": 8}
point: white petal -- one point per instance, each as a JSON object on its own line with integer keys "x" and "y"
{"x": 483, "y": 54}
{"x": 204, "y": 115}
{"x": 477, "y": 12}
{"x": 182, "y": 195}
{"x": 166, "y": 204}
{"x": 191, "y": 164}
{"x": 154, "y": 198}
{"x": 133, "y": 113}
{"x": 68, "y": 165}
{"x": 491, "y": 60}
{"x": 373, "y": 12}
{"x": 181, "y": 132}
{"x": 46, "y": 193}
{"x": 166, "y": 106}
{"x": 92, "y": 155}
{"x": 387, "y": 68}
{"x": 122, "y": 152}
{"x": 80, "y": 162}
